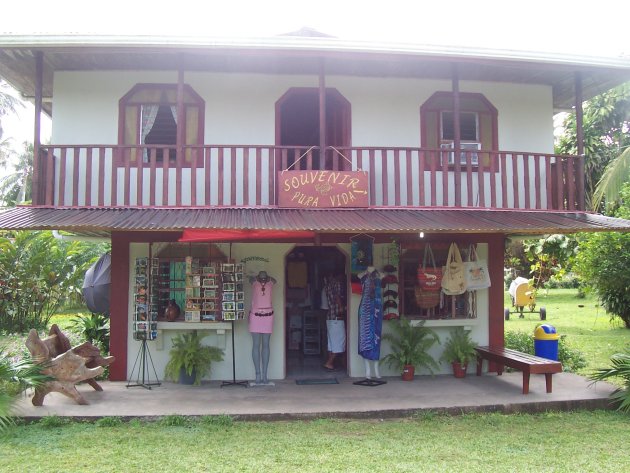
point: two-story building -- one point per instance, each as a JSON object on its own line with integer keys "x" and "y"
{"x": 208, "y": 161}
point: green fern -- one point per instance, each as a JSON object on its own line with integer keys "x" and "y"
{"x": 459, "y": 347}
{"x": 410, "y": 345}
{"x": 188, "y": 353}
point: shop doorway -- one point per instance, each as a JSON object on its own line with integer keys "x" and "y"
{"x": 307, "y": 269}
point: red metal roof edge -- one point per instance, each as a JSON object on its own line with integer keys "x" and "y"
{"x": 395, "y": 220}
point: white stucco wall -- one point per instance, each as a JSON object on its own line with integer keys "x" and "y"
{"x": 240, "y": 108}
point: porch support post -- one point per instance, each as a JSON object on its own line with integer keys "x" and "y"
{"x": 496, "y": 249}
{"x": 579, "y": 132}
{"x": 322, "y": 116}
{"x": 37, "y": 195}
{"x": 456, "y": 135}
{"x": 118, "y": 308}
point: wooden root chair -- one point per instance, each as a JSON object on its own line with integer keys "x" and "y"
{"x": 68, "y": 366}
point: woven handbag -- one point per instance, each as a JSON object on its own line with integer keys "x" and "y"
{"x": 453, "y": 276}
{"x": 426, "y": 299}
{"x": 429, "y": 277}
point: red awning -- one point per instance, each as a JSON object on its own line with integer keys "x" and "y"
{"x": 195, "y": 234}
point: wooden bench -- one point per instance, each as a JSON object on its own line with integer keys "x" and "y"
{"x": 67, "y": 366}
{"x": 524, "y": 362}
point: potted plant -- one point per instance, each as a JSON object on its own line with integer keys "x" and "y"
{"x": 459, "y": 350}
{"x": 410, "y": 345}
{"x": 189, "y": 360}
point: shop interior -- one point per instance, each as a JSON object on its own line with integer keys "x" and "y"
{"x": 307, "y": 346}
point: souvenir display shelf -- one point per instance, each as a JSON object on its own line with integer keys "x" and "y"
{"x": 144, "y": 318}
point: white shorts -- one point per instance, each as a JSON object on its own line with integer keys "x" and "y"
{"x": 336, "y": 336}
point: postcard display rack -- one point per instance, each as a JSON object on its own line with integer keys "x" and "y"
{"x": 145, "y": 316}
{"x": 214, "y": 291}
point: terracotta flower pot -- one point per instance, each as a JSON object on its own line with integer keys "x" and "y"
{"x": 408, "y": 372}
{"x": 459, "y": 370}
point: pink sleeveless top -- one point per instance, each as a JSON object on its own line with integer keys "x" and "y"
{"x": 261, "y": 313}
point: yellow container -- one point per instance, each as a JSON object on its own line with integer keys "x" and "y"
{"x": 546, "y": 332}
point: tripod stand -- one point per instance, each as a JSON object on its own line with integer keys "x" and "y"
{"x": 144, "y": 375}
{"x": 233, "y": 382}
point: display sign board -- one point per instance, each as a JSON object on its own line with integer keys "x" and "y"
{"x": 323, "y": 189}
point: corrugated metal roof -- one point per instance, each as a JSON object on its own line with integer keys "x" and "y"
{"x": 382, "y": 220}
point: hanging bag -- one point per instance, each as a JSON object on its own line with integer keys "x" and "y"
{"x": 453, "y": 278}
{"x": 476, "y": 271}
{"x": 428, "y": 284}
{"x": 429, "y": 277}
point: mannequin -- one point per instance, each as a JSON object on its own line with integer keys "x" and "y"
{"x": 370, "y": 321}
{"x": 261, "y": 325}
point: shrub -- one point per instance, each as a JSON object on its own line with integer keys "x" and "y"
{"x": 571, "y": 358}
{"x": 37, "y": 273}
{"x": 603, "y": 262}
{"x": 620, "y": 369}
{"x": 93, "y": 328}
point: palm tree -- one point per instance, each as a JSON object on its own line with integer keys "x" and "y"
{"x": 615, "y": 175}
{"x": 8, "y": 104}
{"x": 15, "y": 187}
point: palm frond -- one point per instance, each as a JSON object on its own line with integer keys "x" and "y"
{"x": 620, "y": 368}
{"x": 615, "y": 175}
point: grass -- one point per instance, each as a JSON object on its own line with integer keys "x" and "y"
{"x": 586, "y": 325}
{"x": 579, "y": 441}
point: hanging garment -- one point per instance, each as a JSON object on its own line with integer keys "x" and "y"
{"x": 370, "y": 316}
{"x": 334, "y": 303}
{"x": 297, "y": 274}
{"x": 261, "y": 313}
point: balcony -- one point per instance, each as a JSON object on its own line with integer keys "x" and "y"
{"x": 246, "y": 176}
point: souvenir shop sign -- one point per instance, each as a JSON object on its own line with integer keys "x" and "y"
{"x": 323, "y": 189}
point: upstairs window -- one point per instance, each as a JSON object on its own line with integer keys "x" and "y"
{"x": 477, "y": 125}
{"x": 468, "y": 126}
{"x": 148, "y": 116}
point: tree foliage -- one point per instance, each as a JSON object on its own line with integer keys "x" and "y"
{"x": 549, "y": 257}
{"x": 37, "y": 273}
{"x": 16, "y": 186}
{"x": 541, "y": 259}
{"x": 8, "y": 104}
{"x": 603, "y": 262}
{"x": 605, "y": 125}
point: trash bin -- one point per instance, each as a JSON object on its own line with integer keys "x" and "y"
{"x": 546, "y": 342}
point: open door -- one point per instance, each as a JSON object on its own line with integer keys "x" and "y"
{"x": 307, "y": 270}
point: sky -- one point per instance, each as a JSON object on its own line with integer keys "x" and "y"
{"x": 590, "y": 28}
{"x": 577, "y": 26}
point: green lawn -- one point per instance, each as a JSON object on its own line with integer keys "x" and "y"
{"x": 581, "y": 441}
{"x": 586, "y": 325}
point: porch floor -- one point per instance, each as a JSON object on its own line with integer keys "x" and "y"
{"x": 287, "y": 400}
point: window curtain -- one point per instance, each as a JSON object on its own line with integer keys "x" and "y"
{"x": 149, "y": 112}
